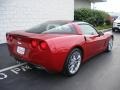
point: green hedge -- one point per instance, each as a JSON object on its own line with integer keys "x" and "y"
{"x": 94, "y": 17}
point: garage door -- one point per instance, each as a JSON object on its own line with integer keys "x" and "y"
{"x": 23, "y": 14}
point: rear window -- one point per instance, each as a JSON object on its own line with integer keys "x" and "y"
{"x": 51, "y": 27}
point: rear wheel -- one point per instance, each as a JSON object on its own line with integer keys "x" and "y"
{"x": 73, "y": 62}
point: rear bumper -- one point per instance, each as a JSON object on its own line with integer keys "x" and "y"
{"x": 49, "y": 61}
{"x": 117, "y": 28}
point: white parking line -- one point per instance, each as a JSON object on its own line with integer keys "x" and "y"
{"x": 11, "y": 67}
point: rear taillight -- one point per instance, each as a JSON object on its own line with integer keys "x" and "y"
{"x": 43, "y": 45}
{"x": 9, "y": 37}
{"x": 34, "y": 43}
{"x": 39, "y": 44}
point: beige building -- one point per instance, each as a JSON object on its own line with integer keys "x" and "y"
{"x": 85, "y": 3}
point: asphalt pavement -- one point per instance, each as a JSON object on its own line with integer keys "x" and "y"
{"x": 101, "y": 72}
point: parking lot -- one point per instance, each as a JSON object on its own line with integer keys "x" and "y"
{"x": 101, "y": 72}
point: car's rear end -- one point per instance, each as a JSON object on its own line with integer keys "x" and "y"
{"x": 29, "y": 48}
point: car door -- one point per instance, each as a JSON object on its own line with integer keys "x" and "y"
{"x": 93, "y": 41}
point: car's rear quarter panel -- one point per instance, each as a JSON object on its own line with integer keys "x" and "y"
{"x": 60, "y": 48}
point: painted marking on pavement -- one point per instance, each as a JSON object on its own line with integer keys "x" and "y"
{"x": 11, "y": 67}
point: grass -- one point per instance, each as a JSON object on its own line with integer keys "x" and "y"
{"x": 103, "y": 27}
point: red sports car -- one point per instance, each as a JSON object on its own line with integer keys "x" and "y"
{"x": 59, "y": 46}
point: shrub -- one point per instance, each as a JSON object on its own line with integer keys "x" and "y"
{"x": 94, "y": 17}
{"x": 108, "y": 22}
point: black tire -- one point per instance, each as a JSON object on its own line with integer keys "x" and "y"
{"x": 110, "y": 45}
{"x": 113, "y": 29}
{"x": 77, "y": 62}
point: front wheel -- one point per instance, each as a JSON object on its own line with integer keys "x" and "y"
{"x": 113, "y": 30}
{"x": 110, "y": 45}
{"x": 73, "y": 62}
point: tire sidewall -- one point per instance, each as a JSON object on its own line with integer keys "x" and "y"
{"x": 108, "y": 50}
{"x": 66, "y": 71}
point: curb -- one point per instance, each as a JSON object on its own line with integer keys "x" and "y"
{"x": 106, "y": 30}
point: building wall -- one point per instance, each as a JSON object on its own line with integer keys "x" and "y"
{"x": 82, "y": 4}
{"x": 24, "y": 14}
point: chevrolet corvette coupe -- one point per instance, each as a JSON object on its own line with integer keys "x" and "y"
{"x": 58, "y": 46}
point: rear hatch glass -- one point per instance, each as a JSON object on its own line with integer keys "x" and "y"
{"x": 52, "y": 27}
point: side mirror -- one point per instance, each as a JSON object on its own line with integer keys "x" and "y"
{"x": 100, "y": 33}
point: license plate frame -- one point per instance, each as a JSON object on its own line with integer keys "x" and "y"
{"x": 20, "y": 50}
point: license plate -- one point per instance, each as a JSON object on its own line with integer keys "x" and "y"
{"x": 21, "y": 50}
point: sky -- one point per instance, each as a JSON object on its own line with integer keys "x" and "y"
{"x": 109, "y": 6}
